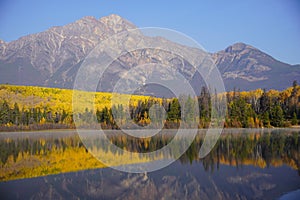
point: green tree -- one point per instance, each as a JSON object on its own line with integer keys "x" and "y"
{"x": 4, "y": 113}
{"x": 294, "y": 119}
{"x": 174, "y": 113}
{"x": 264, "y": 103}
{"x": 16, "y": 114}
{"x": 189, "y": 111}
{"x": 276, "y": 116}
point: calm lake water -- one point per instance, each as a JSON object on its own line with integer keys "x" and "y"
{"x": 245, "y": 164}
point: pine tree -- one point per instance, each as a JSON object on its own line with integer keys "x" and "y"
{"x": 294, "y": 119}
{"x": 174, "y": 113}
{"x": 266, "y": 119}
{"x": 5, "y": 113}
{"x": 16, "y": 114}
{"x": 264, "y": 103}
{"x": 276, "y": 114}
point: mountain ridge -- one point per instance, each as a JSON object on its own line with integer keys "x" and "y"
{"x": 245, "y": 62}
{"x": 53, "y": 57}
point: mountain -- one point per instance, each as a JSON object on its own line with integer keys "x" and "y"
{"x": 247, "y": 68}
{"x": 52, "y": 58}
{"x": 39, "y": 59}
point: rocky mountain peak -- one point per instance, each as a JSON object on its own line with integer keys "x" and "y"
{"x": 53, "y": 57}
{"x": 111, "y": 17}
{"x": 87, "y": 19}
{"x": 238, "y": 47}
{"x": 251, "y": 68}
{"x": 61, "y": 46}
{"x": 117, "y": 23}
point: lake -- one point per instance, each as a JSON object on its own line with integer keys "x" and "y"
{"x": 244, "y": 164}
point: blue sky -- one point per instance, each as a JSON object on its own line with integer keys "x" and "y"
{"x": 270, "y": 25}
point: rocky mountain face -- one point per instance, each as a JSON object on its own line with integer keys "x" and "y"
{"x": 52, "y": 58}
{"x": 246, "y": 67}
{"x": 38, "y": 59}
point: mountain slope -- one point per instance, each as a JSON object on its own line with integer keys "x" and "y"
{"x": 52, "y": 58}
{"x": 56, "y": 51}
{"x": 246, "y": 67}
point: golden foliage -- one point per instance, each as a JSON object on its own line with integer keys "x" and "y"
{"x": 56, "y": 99}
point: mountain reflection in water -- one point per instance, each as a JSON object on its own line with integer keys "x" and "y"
{"x": 244, "y": 164}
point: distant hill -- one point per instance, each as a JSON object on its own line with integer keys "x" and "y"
{"x": 52, "y": 58}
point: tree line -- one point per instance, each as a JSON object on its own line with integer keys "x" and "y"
{"x": 253, "y": 109}
{"x": 263, "y": 108}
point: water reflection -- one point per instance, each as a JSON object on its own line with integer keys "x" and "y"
{"x": 243, "y": 164}
{"x": 37, "y": 154}
{"x": 262, "y": 149}
{"x": 176, "y": 181}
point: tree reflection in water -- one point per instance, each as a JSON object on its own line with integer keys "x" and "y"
{"x": 235, "y": 148}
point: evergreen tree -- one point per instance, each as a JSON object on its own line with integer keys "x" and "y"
{"x": 264, "y": 103}
{"x": 16, "y": 114}
{"x": 174, "y": 113}
{"x": 276, "y": 116}
{"x": 294, "y": 119}
{"x": 189, "y": 111}
{"x": 5, "y": 113}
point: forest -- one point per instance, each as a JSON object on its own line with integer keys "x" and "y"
{"x": 34, "y": 108}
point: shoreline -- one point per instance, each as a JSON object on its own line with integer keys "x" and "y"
{"x": 74, "y": 130}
